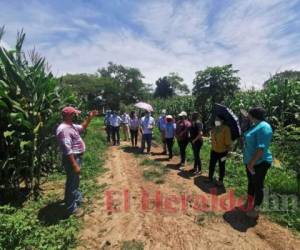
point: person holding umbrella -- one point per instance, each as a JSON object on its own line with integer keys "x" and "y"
{"x": 220, "y": 146}
{"x": 257, "y": 158}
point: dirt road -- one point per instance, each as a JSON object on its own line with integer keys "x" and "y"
{"x": 167, "y": 215}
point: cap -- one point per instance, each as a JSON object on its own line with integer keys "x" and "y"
{"x": 164, "y": 111}
{"x": 183, "y": 113}
{"x": 70, "y": 110}
{"x": 169, "y": 117}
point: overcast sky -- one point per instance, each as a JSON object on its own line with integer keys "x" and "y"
{"x": 259, "y": 37}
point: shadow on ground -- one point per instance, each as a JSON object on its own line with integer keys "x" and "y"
{"x": 208, "y": 187}
{"x": 53, "y": 213}
{"x": 131, "y": 150}
{"x": 238, "y": 220}
{"x": 14, "y": 197}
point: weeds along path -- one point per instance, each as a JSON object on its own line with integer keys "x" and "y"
{"x": 173, "y": 221}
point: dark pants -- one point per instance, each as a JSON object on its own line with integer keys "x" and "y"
{"x": 196, "y": 151}
{"x": 147, "y": 138}
{"x": 73, "y": 196}
{"x": 182, "y": 146}
{"x": 108, "y": 133}
{"x": 170, "y": 142}
{"x": 214, "y": 158}
{"x": 256, "y": 182}
{"x": 134, "y": 137}
{"x": 115, "y": 135}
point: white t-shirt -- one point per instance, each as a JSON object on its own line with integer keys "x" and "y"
{"x": 147, "y": 124}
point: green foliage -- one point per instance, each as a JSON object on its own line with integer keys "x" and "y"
{"x": 36, "y": 225}
{"x": 130, "y": 86}
{"x": 214, "y": 85}
{"x": 169, "y": 86}
{"x": 174, "y": 105}
{"x": 30, "y": 100}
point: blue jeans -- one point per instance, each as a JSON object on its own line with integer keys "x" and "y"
{"x": 147, "y": 138}
{"x": 73, "y": 196}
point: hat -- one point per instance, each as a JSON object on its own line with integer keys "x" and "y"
{"x": 70, "y": 110}
{"x": 164, "y": 111}
{"x": 169, "y": 117}
{"x": 183, "y": 113}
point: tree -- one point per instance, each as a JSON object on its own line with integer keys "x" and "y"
{"x": 214, "y": 85}
{"x": 169, "y": 86}
{"x": 131, "y": 87}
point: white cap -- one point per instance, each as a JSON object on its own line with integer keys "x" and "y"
{"x": 164, "y": 111}
{"x": 183, "y": 113}
{"x": 169, "y": 117}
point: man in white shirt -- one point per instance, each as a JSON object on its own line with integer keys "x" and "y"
{"x": 125, "y": 122}
{"x": 147, "y": 125}
{"x": 161, "y": 123}
{"x": 115, "y": 122}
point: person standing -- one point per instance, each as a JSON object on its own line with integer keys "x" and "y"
{"x": 147, "y": 125}
{"x": 125, "y": 125}
{"x": 115, "y": 122}
{"x": 196, "y": 141}
{"x": 257, "y": 158}
{"x": 161, "y": 122}
{"x": 220, "y": 146}
{"x": 169, "y": 130}
{"x": 182, "y": 134}
{"x": 134, "y": 128}
{"x": 107, "y": 125}
{"x": 73, "y": 148}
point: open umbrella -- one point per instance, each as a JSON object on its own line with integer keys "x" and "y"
{"x": 145, "y": 106}
{"x": 230, "y": 118}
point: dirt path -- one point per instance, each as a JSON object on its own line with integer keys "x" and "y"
{"x": 158, "y": 226}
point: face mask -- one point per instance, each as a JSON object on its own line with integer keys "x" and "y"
{"x": 218, "y": 123}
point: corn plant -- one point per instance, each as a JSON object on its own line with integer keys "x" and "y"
{"x": 30, "y": 100}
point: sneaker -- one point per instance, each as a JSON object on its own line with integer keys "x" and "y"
{"x": 253, "y": 213}
{"x": 197, "y": 172}
{"x": 181, "y": 167}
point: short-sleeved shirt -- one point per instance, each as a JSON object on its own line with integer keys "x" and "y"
{"x": 69, "y": 138}
{"x": 115, "y": 120}
{"x": 169, "y": 130}
{"x": 258, "y": 137}
{"x": 125, "y": 119}
{"x": 134, "y": 123}
{"x": 183, "y": 125}
{"x": 220, "y": 139}
{"x": 147, "y": 124}
{"x": 195, "y": 129}
{"x": 161, "y": 123}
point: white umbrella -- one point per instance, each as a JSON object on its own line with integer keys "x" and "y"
{"x": 145, "y": 106}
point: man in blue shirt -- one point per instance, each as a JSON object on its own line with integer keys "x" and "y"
{"x": 257, "y": 158}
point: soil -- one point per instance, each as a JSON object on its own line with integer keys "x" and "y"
{"x": 176, "y": 220}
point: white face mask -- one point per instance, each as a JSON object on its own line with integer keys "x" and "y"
{"x": 218, "y": 123}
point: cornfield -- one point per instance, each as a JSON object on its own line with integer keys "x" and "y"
{"x": 30, "y": 101}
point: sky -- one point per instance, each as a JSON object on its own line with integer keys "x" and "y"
{"x": 258, "y": 37}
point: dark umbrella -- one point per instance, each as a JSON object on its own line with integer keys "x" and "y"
{"x": 230, "y": 118}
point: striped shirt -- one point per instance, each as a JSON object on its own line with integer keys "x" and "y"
{"x": 69, "y": 138}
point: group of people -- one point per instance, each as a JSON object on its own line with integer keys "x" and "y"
{"x": 256, "y": 141}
